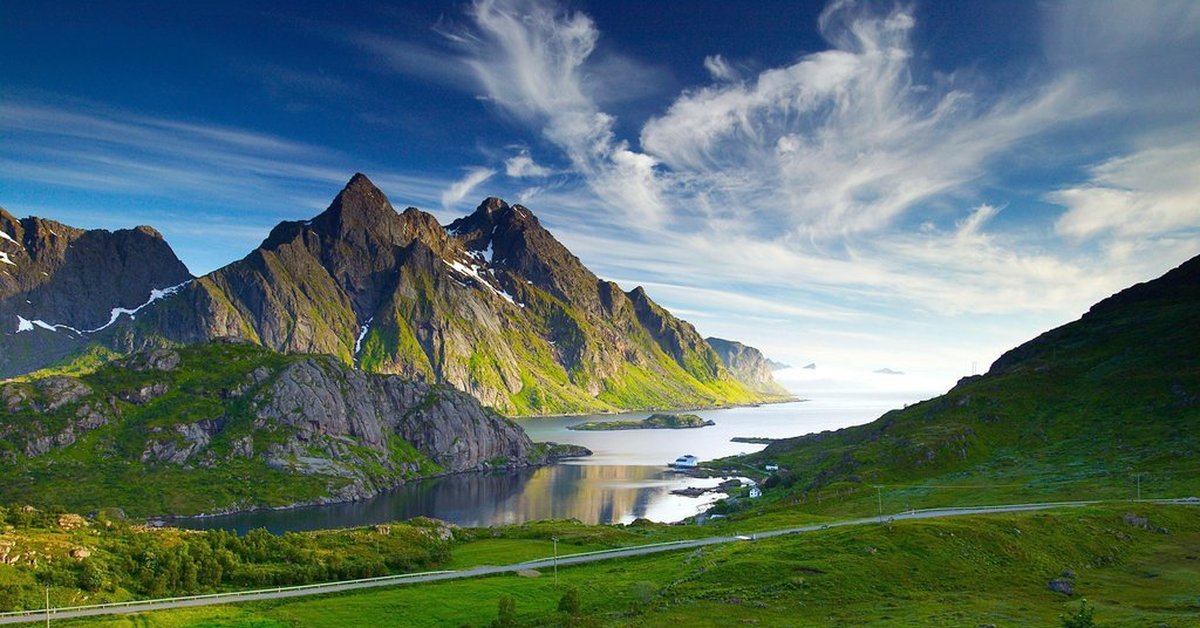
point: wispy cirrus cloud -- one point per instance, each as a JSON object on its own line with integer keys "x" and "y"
{"x": 464, "y": 186}
{"x": 853, "y": 177}
{"x": 522, "y": 165}
{"x": 171, "y": 173}
{"x": 529, "y": 58}
{"x": 847, "y": 139}
{"x": 1146, "y": 193}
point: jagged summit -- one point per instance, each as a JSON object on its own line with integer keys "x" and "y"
{"x": 359, "y": 210}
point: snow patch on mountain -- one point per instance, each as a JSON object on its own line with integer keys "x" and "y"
{"x": 155, "y": 295}
{"x": 362, "y": 333}
{"x": 473, "y": 272}
{"x": 24, "y": 324}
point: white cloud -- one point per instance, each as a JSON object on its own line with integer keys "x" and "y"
{"x": 841, "y": 191}
{"x": 1147, "y": 193}
{"x": 529, "y": 58}
{"x": 720, "y": 69}
{"x": 464, "y": 186}
{"x": 522, "y": 165}
{"x": 848, "y": 139}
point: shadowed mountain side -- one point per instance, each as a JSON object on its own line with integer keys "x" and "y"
{"x": 493, "y": 305}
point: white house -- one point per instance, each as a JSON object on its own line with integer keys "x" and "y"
{"x": 686, "y": 462}
{"x": 755, "y": 492}
{"x": 771, "y": 467}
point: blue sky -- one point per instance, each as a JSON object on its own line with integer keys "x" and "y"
{"x": 862, "y": 185}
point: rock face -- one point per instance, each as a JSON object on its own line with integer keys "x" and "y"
{"x": 58, "y": 283}
{"x": 324, "y": 402}
{"x": 492, "y": 305}
{"x": 203, "y": 410}
{"x": 749, "y": 366}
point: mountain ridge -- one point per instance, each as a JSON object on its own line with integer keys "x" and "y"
{"x": 492, "y": 304}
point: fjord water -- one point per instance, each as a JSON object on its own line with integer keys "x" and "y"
{"x": 625, "y": 479}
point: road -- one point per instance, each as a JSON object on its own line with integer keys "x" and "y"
{"x": 543, "y": 563}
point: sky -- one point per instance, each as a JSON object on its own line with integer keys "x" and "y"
{"x": 910, "y": 188}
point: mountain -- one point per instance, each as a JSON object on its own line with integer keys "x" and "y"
{"x": 226, "y": 427}
{"x": 493, "y": 305}
{"x": 749, "y": 366}
{"x": 1079, "y": 410}
{"x": 60, "y": 286}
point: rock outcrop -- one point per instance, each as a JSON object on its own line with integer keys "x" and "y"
{"x": 201, "y": 411}
{"x": 749, "y": 366}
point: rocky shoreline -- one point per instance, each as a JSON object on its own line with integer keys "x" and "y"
{"x": 556, "y": 452}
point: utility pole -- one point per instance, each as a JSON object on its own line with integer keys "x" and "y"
{"x": 1138, "y": 476}
{"x": 47, "y": 606}
{"x": 879, "y": 492}
{"x": 555, "y": 539}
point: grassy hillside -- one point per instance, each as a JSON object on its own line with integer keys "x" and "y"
{"x": 104, "y": 467}
{"x": 231, "y": 427}
{"x": 965, "y": 571}
{"x": 1081, "y": 412}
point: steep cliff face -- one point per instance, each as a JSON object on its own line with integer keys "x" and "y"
{"x": 749, "y": 366}
{"x": 492, "y": 305}
{"x": 283, "y": 429}
{"x": 60, "y": 287}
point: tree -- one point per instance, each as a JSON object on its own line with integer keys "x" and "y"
{"x": 506, "y": 615}
{"x": 10, "y": 597}
{"x": 569, "y": 602}
{"x": 90, "y": 578}
{"x": 1079, "y": 619}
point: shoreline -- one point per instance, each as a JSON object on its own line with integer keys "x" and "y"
{"x": 332, "y": 501}
{"x": 730, "y": 406}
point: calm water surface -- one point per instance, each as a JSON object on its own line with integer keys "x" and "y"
{"x": 625, "y": 479}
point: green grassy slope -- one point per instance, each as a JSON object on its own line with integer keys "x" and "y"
{"x": 107, "y": 466}
{"x": 1077, "y": 413}
{"x": 965, "y": 571}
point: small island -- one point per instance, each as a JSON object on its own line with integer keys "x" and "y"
{"x": 653, "y": 422}
{"x": 756, "y": 440}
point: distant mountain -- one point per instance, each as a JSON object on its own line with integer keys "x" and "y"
{"x": 1087, "y": 404}
{"x": 492, "y": 304}
{"x": 887, "y": 371}
{"x": 749, "y": 366}
{"x": 225, "y": 427}
{"x": 777, "y": 366}
{"x": 60, "y": 285}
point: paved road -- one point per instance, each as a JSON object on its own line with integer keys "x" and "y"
{"x": 573, "y": 559}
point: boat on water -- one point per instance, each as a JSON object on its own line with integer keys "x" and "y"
{"x": 685, "y": 462}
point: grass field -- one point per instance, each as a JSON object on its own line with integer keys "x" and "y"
{"x": 962, "y": 571}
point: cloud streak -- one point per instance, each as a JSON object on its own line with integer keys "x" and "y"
{"x": 530, "y": 60}
{"x": 464, "y": 186}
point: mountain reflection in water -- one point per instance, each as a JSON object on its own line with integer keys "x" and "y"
{"x": 589, "y": 493}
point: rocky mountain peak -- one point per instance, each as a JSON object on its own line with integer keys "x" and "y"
{"x": 359, "y": 209}
{"x": 748, "y": 365}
